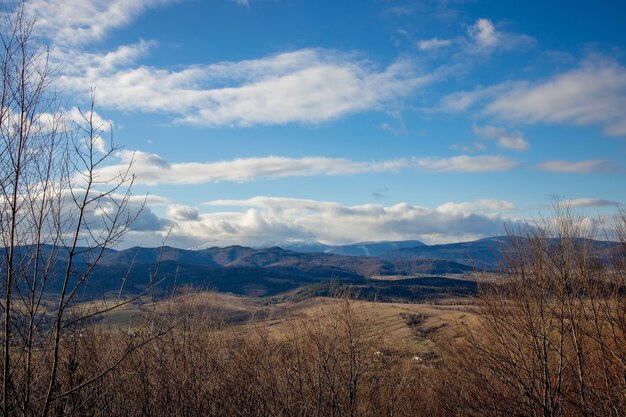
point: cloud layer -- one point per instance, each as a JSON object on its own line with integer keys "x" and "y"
{"x": 483, "y": 38}
{"x": 76, "y": 22}
{"x": 264, "y": 221}
{"x": 152, "y": 169}
{"x": 590, "y": 202}
{"x": 269, "y": 220}
{"x": 574, "y": 167}
{"x": 308, "y": 86}
{"x": 593, "y": 93}
{"x": 305, "y": 86}
{"x": 509, "y": 140}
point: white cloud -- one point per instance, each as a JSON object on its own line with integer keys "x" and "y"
{"x": 242, "y": 2}
{"x": 304, "y": 86}
{"x": 509, "y": 140}
{"x": 484, "y": 38}
{"x": 465, "y": 163}
{"x": 434, "y": 43}
{"x": 179, "y": 212}
{"x": 593, "y": 93}
{"x": 151, "y": 169}
{"x": 308, "y": 86}
{"x": 589, "y": 202}
{"x": 465, "y": 100}
{"x": 75, "y": 22}
{"x": 483, "y": 33}
{"x": 149, "y": 200}
{"x": 478, "y": 206}
{"x": 459, "y": 101}
{"x": 574, "y": 167}
{"x": 267, "y": 220}
{"x": 263, "y": 221}
{"x": 84, "y": 66}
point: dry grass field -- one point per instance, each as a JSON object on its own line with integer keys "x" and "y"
{"x": 412, "y": 326}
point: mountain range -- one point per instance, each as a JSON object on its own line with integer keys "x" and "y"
{"x": 274, "y": 270}
{"x": 251, "y": 271}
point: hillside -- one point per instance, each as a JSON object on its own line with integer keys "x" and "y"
{"x": 481, "y": 254}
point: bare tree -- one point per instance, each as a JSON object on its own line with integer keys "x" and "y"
{"x": 58, "y": 217}
{"x": 551, "y": 338}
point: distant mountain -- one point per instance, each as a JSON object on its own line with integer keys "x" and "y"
{"x": 484, "y": 254}
{"x": 139, "y": 255}
{"x": 234, "y": 269}
{"x": 275, "y": 270}
{"x": 224, "y": 256}
{"x": 355, "y": 249}
{"x": 239, "y": 269}
{"x": 480, "y": 254}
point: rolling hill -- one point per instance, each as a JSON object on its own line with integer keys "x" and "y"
{"x": 239, "y": 269}
{"x": 274, "y": 270}
{"x": 481, "y": 254}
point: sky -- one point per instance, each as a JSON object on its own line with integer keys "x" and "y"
{"x": 261, "y": 122}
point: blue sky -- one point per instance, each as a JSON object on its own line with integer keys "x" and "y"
{"x": 266, "y": 121}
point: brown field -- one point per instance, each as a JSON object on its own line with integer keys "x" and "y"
{"x": 389, "y": 322}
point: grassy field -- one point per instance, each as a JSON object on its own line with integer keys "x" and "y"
{"x": 413, "y": 326}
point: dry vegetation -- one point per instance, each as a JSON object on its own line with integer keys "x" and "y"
{"x": 548, "y": 340}
{"x": 323, "y": 357}
{"x": 551, "y": 341}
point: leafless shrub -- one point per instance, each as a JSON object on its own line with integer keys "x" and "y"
{"x": 552, "y": 337}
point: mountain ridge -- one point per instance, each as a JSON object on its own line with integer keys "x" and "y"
{"x": 273, "y": 270}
